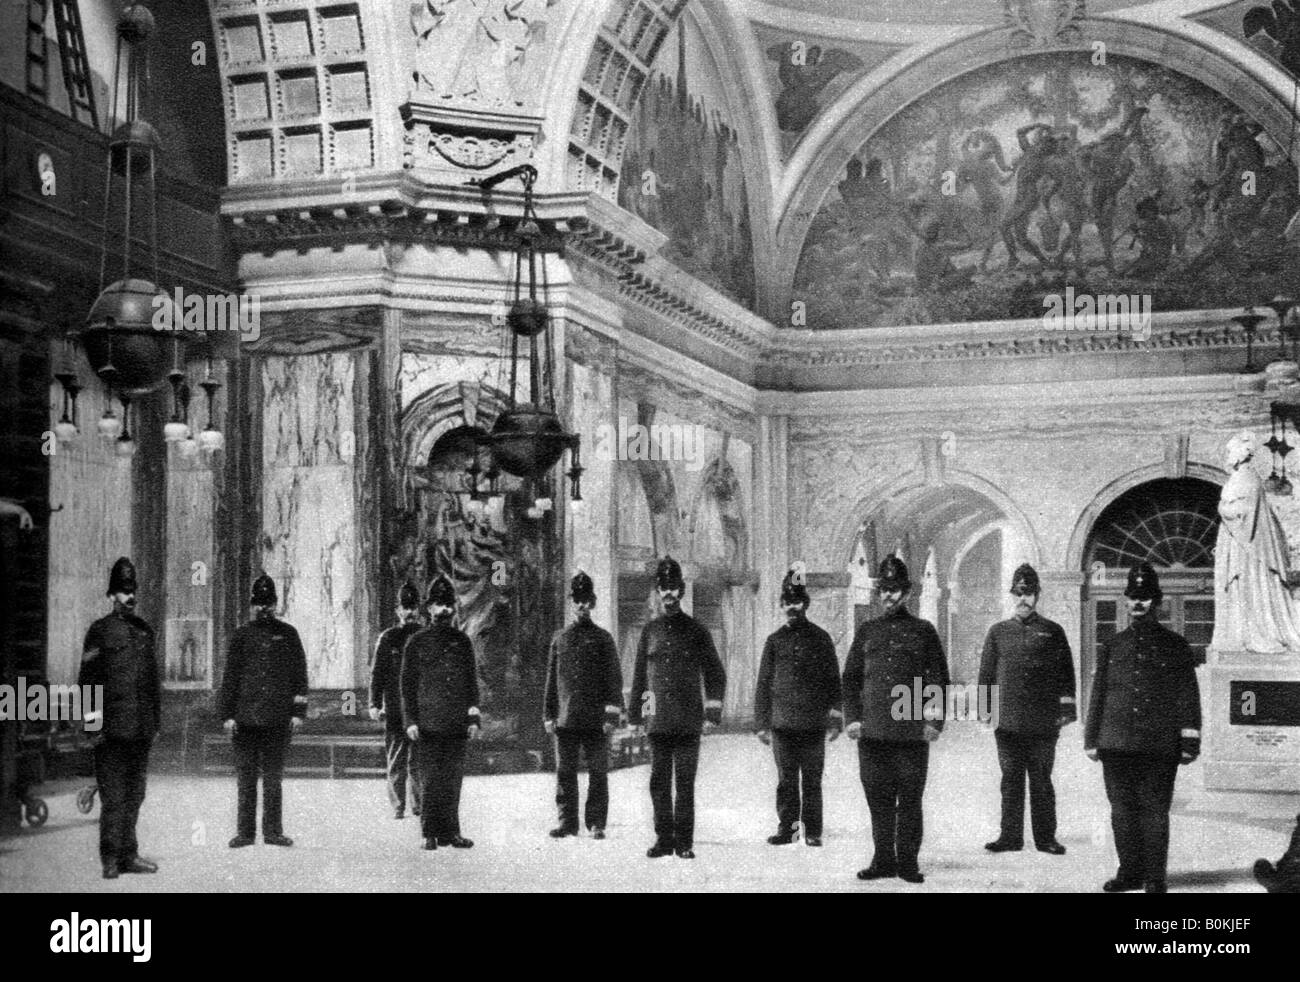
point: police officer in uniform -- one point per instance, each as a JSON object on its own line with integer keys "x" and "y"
{"x": 895, "y": 649}
{"x": 439, "y": 695}
{"x": 674, "y": 658}
{"x": 1144, "y": 720}
{"x": 582, "y": 705}
{"x": 386, "y": 703}
{"x": 1027, "y": 658}
{"x": 119, "y": 654}
{"x": 797, "y": 709}
{"x": 263, "y": 699}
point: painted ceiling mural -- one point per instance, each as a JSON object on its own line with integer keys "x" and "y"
{"x": 1020, "y": 179}
{"x": 682, "y": 172}
{"x": 806, "y": 75}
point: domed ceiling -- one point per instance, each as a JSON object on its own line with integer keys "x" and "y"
{"x": 800, "y": 148}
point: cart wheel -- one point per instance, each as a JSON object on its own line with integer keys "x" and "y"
{"x": 86, "y": 799}
{"x": 37, "y": 812}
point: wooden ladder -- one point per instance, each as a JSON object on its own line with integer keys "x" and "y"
{"x": 38, "y": 60}
{"x": 76, "y": 65}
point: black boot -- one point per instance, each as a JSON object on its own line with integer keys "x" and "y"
{"x": 1121, "y": 885}
{"x": 660, "y": 848}
{"x": 1003, "y": 845}
{"x": 783, "y": 837}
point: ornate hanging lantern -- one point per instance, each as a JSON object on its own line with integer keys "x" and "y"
{"x": 120, "y": 339}
{"x": 527, "y": 439}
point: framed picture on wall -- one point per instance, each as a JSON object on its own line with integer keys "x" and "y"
{"x": 188, "y": 660}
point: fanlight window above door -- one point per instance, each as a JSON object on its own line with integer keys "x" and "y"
{"x": 1167, "y": 523}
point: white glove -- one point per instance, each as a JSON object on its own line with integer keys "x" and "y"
{"x": 229, "y": 726}
{"x": 550, "y": 727}
{"x": 374, "y": 713}
{"x": 854, "y": 731}
{"x": 413, "y": 732}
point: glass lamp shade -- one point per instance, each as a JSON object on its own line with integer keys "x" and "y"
{"x": 138, "y": 143}
{"x": 120, "y": 330}
{"x": 578, "y": 506}
{"x": 65, "y": 431}
{"x": 176, "y": 431}
{"x": 109, "y": 426}
{"x": 527, "y": 441}
{"x": 125, "y": 446}
{"x": 189, "y": 447}
{"x": 211, "y": 440}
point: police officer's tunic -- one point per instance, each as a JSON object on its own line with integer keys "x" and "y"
{"x": 675, "y": 660}
{"x": 584, "y": 691}
{"x": 1030, "y": 663}
{"x": 385, "y": 694}
{"x": 890, "y": 655}
{"x": 439, "y": 694}
{"x": 264, "y": 687}
{"x": 1144, "y": 711}
{"x": 119, "y": 654}
{"x": 798, "y": 698}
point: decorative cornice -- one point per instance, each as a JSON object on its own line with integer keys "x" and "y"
{"x": 1019, "y": 339}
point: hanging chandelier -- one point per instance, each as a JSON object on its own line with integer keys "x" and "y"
{"x": 527, "y": 439}
{"x": 125, "y": 349}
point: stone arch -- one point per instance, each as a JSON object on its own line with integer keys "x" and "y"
{"x": 440, "y": 409}
{"x": 1239, "y": 73}
{"x": 840, "y": 541}
{"x": 1074, "y": 553}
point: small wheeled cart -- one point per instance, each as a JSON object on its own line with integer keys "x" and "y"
{"x": 32, "y": 749}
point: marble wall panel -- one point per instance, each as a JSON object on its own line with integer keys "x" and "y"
{"x": 309, "y": 507}
{"x": 91, "y": 492}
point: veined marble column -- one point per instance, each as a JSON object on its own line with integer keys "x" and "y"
{"x": 309, "y": 511}
{"x": 592, "y": 529}
{"x": 772, "y": 511}
{"x": 187, "y": 636}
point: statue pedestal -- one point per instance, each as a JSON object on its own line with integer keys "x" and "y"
{"x": 1251, "y": 731}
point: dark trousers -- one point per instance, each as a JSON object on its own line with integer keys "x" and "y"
{"x": 1031, "y": 754}
{"x": 403, "y": 770}
{"x": 893, "y": 777}
{"x": 442, "y": 772}
{"x": 260, "y": 750}
{"x": 121, "y": 769}
{"x": 1140, "y": 788}
{"x": 674, "y": 755}
{"x": 568, "y": 745}
{"x": 800, "y": 759}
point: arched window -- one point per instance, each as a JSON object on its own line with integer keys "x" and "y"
{"x": 1167, "y": 523}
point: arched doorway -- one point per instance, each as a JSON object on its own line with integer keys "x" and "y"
{"x": 1171, "y": 524}
{"x": 960, "y": 546}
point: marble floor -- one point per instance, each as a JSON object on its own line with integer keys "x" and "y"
{"x": 346, "y": 838}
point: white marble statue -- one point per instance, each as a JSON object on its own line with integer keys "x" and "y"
{"x": 1253, "y": 609}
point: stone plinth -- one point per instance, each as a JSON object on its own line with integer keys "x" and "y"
{"x": 1251, "y": 731}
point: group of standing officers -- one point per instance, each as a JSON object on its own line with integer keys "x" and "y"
{"x": 1143, "y": 719}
